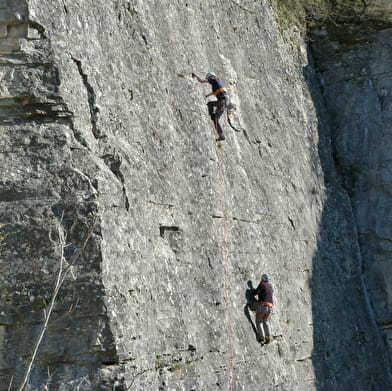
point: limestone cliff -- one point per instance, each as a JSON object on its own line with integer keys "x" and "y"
{"x": 356, "y": 79}
{"x": 109, "y": 163}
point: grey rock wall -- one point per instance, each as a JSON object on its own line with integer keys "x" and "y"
{"x": 357, "y": 82}
{"x": 44, "y": 194}
{"x": 104, "y": 132}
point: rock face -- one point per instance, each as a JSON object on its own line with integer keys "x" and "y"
{"x": 357, "y": 83}
{"x": 105, "y": 142}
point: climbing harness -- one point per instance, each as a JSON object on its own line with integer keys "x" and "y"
{"x": 219, "y": 90}
{"x": 264, "y": 314}
{"x": 230, "y": 109}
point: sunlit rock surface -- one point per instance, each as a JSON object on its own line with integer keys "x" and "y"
{"x": 105, "y": 137}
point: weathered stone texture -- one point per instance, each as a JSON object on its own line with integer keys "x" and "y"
{"x": 357, "y": 82}
{"x": 102, "y": 125}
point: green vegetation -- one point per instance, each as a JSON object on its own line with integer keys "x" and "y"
{"x": 340, "y": 17}
{"x": 3, "y": 235}
{"x": 3, "y": 238}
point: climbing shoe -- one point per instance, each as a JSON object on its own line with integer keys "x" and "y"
{"x": 221, "y": 137}
{"x": 260, "y": 339}
{"x": 268, "y": 340}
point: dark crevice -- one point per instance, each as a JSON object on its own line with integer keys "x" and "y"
{"x": 113, "y": 161}
{"x": 144, "y": 39}
{"x": 171, "y": 233}
{"x": 209, "y": 263}
{"x": 292, "y": 223}
{"x": 164, "y": 229}
{"x": 247, "y": 136}
{"x": 39, "y": 28}
{"x": 108, "y": 363}
{"x": 94, "y": 110}
{"x": 384, "y": 323}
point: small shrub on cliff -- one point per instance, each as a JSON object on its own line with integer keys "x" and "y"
{"x": 352, "y": 16}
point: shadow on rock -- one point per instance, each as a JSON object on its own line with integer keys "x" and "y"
{"x": 250, "y": 305}
{"x": 346, "y": 352}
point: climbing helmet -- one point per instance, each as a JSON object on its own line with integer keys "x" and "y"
{"x": 210, "y": 74}
{"x": 266, "y": 277}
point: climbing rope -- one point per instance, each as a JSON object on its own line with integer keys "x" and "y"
{"x": 229, "y": 121}
{"x": 225, "y": 261}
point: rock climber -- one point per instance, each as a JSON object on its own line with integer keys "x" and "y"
{"x": 264, "y": 306}
{"x": 219, "y": 90}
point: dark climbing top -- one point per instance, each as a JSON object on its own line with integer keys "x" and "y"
{"x": 218, "y": 88}
{"x": 264, "y": 292}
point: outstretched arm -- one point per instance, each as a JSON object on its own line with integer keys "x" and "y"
{"x": 199, "y": 79}
{"x": 256, "y": 290}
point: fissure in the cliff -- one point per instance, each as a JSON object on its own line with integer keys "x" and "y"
{"x": 94, "y": 110}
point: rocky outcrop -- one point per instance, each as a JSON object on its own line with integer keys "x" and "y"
{"x": 357, "y": 80}
{"x": 45, "y": 196}
{"x": 105, "y": 137}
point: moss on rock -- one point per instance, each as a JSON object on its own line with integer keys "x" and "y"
{"x": 344, "y": 19}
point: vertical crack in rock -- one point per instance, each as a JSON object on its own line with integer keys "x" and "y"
{"x": 113, "y": 161}
{"x": 94, "y": 110}
{"x": 291, "y": 222}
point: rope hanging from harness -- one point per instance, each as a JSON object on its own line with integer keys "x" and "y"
{"x": 228, "y": 120}
{"x": 225, "y": 252}
{"x": 229, "y": 110}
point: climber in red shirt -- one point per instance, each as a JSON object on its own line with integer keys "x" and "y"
{"x": 219, "y": 90}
